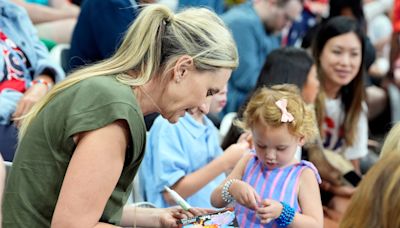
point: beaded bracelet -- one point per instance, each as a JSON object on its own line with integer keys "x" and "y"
{"x": 49, "y": 85}
{"x": 226, "y": 196}
{"x": 287, "y": 215}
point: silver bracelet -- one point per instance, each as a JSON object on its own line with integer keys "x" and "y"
{"x": 226, "y": 196}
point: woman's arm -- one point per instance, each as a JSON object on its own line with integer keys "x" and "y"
{"x": 157, "y": 217}
{"x": 146, "y": 217}
{"x": 91, "y": 177}
{"x": 310, "y": 202}
{"x": 39, "y": 13}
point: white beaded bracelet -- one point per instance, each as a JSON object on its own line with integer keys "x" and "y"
{"x": 226, "y": 196}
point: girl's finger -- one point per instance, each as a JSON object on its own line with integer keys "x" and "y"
{"x": 266, "y": 221}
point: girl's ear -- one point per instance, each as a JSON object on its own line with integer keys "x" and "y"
{"x": 182, "y": 66}
{"x": 302, "y": 141}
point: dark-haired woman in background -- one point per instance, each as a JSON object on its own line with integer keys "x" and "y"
{"x": 341, "y": 109}
{"x": 338, "y": 52}
{"x": 376, "y": 96}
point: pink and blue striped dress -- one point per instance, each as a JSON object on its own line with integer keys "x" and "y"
{"x": 280, "y": 184}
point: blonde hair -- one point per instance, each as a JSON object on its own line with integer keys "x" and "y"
{"x": 262, "y": 109}
{"x": 376, "y": 201}
{"x": 153, "y": 44}
{"x": 392, "y": 142}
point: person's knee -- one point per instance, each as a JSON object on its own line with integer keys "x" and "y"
{"x": 376, "y": 101}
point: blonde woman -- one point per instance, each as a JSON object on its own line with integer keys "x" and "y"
{"x": 376, "y": 201}
{"x": 74, "y": 168}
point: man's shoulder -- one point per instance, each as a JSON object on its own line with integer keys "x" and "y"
{"x": 243, "y": 15}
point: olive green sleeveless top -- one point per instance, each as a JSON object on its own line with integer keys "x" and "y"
{"x": 45, "y": 150}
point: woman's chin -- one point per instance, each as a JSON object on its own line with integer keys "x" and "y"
{"x": 174, "y": 118}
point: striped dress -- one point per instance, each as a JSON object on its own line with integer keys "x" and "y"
{"x": 280, "y": 184}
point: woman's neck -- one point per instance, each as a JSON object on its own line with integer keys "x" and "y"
{"x": 147, "y": 102}
{"x": 331, "y": 91}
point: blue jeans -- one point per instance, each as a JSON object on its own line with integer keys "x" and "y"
{"x": 8, "y": 141}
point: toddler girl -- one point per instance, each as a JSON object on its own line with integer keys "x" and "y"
{"x": 270, "y": 186}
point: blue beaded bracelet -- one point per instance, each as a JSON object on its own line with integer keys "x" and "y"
{"x": 287, "y": 215}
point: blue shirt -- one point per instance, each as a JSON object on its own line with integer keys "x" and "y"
{"x": 15, "y": 23}
{"x": 100, "y": 28}
{"x": 41, "y": 2}
{"x": 176, "y": 150}
{"x": 216, "y": 5}
{"x": 254, "y": 44}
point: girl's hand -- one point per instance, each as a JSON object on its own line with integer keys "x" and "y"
{"x": 269, "y": 209}
{"x": 244, "y": 194}
{"x": 169, "y": 217}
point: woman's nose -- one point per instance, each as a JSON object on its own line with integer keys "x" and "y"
{"x": 345, "y": 59}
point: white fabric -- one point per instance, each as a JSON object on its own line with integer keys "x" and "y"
{"x": 377, "y": 7}
{"x": 334, "y": 141}
{"x": 226, "y": 123}
{"x": 298, "y": 153}
{"x": 379, "y": 28}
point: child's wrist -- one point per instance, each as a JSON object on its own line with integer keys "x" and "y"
{"x": 287, "y": 215}
{"x": 49, "y": 85}
{"x": 225, "y": 194}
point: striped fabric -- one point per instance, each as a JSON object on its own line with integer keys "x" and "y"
{"x": 280, "y": 184}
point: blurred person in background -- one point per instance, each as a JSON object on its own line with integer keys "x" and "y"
{"x": 26, "y": 73}
{"x": 256, "y": 27}
{"x": 54, "y": 19}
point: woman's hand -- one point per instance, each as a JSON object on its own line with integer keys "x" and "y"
{"x": 342, "y": 190}
{"x": 169, "y": 217}
{"x": 332, "y": 214}
{"x": 269, "y": 210}
{"x": 244, "y": 194}
{"x": 31, "y": 96}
